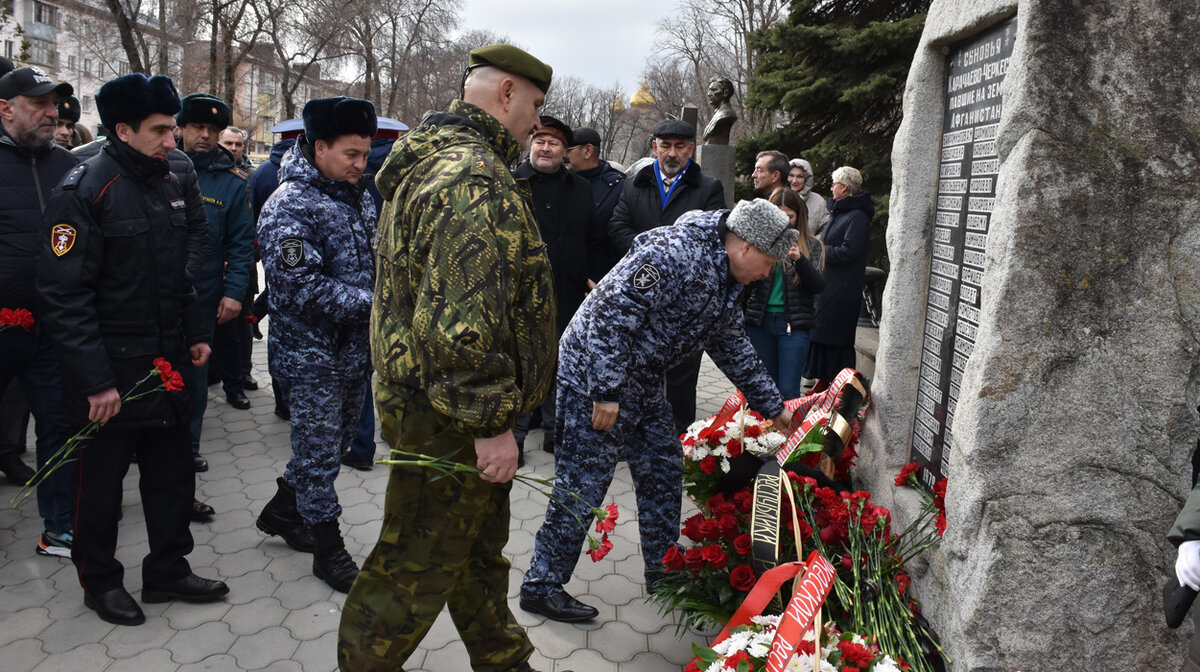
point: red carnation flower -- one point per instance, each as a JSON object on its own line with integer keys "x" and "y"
{"x": 753, "y": 431}
{"x": 608, "y": 521}
{"x": 907, "y": 475}
{"x": 855, "y": 654}
{"x": 709, "y": 465}
{"x": 734, "y": 447}
{"x": 742, "y": 578}
{"x": 731, "y": 663}
{"x": 940, "y": 523}
{"x": 691, "y": 667}
{"x": 599, "y": 549}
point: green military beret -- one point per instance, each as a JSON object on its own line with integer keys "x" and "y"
{"x": 514, "y": 61}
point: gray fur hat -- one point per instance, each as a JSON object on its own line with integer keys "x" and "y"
{"x": 764, "y": 226}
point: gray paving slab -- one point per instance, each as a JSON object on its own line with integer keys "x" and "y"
{"x": 280, "y": 618}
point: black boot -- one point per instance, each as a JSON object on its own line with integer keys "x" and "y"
{"x": 280, "y": 517}
{"x": 331, "y": 562}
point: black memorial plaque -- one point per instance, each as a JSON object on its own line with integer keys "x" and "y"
{"x": 967, "y": 171}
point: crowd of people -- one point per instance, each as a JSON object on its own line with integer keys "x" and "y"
{"x": 486, "y": 294}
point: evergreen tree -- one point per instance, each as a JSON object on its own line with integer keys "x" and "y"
{"x": 835, "y": 72}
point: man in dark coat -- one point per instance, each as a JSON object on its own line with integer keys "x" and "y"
{"x": 658, "y": 195}
{"x": 847, "y": 240}
{"x": 123, "y": 233}
{"x": 225, "y": 273}
{"x": 562, "y": 206}
{"x": 30, "y": 166}
{"x": 583, "y": 157}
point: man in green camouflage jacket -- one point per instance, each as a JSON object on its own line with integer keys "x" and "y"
{"x": 463, "y": 342}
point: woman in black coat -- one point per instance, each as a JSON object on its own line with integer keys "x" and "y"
{"x": 846, "y": 242}
{"x": 779, "y": 308}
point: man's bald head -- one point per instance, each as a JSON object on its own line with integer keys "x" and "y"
{"x": 512, "y": 99}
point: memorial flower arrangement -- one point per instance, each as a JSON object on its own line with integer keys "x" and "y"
{"x": 169, "y": 380}
{"x": 746, "y": 649}
{"x": 709, "y": 575}
{"x": 15, "y": 317}
{"x": 606, "y": 517}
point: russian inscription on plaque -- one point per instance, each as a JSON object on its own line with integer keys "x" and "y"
{"x": 968, "y": 167}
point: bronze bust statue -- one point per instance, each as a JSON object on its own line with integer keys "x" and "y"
{"x": 720, "y": 90}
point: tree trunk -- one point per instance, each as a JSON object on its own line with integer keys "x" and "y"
{"x": 129, "y": 41}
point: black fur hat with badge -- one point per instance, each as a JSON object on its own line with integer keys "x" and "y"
{"x": 327, "y": 118}
{"x": 131, "y": 98}
{"x": 202, "y": 108}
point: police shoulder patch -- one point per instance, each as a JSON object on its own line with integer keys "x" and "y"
{"x": 291, "y": 250}
{"x": 73, "y": 177}
{"x": 62, "y": 238}
{"x": 646, "y": 277}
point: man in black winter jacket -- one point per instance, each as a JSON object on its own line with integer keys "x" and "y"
{"x": 30, "y": 165}
{"x": 126, "y": 231}
{"x": 657, "y": 195}
{"x": 566, "y": 216}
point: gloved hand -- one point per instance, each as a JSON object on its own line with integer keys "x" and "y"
{"x": 1187, "y": 564}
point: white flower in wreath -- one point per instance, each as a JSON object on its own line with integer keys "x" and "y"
{"x": 885, "y": 664}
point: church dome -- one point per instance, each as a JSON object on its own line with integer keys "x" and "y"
{"x": 642, "y": 98}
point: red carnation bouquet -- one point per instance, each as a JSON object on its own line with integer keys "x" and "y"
{"x": 606, "y": 518}
{"x": 169, "y": 380}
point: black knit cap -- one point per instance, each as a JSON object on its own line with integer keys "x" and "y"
{"x": 674, "y": 128}
{"x": 131, "y": 98}
{"x": 203, "y": 108}
{"x": 68, "y": 109}
{"x": 327, "y": 118}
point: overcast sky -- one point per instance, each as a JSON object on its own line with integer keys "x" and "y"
{"x": 598, "y": 42}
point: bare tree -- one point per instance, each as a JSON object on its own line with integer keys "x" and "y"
{"x": 302, "y": 36}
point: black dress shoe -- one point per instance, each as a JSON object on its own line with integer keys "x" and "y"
{"x": 190, "y": 588}
{"x": 362, "y": 464}
{"x": 201, "y": 512}
{"x": 15, "y": 469}
{"x": 249, "y": 383}
{"x": 116, "y": 606}
{"x": 199, "y": 464}
{"x": 238, "y": 400}
{"x": 561, "y": 607}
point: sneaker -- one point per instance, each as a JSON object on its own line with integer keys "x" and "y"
{"x": 55, "y": 543}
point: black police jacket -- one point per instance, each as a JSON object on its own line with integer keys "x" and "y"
{"x": 112, "y": 281}
{"x": 26, "y": 178}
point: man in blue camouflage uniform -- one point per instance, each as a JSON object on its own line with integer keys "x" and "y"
{"x": 316, "y": 234}
{"x": 674, "y": 294}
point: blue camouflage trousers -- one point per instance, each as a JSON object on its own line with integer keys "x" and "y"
{"x": 585, "y": 461}
{"x": 325, "y": 415}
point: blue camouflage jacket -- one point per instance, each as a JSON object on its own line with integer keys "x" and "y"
{"x": 316, "y": 236}
{"x": 669, "y": 297}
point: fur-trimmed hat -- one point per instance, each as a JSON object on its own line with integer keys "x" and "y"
{"x": 68, "y": 109}
{"x": 133, "y": 97}
{"x": 763, "y": 225}
{"x": 202, "y": 108}
{"x": 327, "y": 118}
{"x": 548, "y": 125}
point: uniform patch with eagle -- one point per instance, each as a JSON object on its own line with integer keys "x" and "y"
{"x": 291, "y": 250}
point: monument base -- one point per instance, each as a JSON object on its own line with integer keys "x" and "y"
{"x": 717, "y": 161}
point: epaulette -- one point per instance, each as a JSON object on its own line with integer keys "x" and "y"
{"x": 241, "y": 174}
{"x": 72, "y": 180}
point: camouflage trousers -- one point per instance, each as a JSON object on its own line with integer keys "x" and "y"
{"x": 585, "y": 460}
{"x": 325, "y": 417}
{"x": 441, "y": 545}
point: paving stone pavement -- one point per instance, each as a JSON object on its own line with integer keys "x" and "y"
{"x": 277, "y": 616}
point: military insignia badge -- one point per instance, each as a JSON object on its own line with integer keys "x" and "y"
{"x": 646, "y": 277}
{"x": 292, "y": 251}
{"x": 62, "y": 239}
